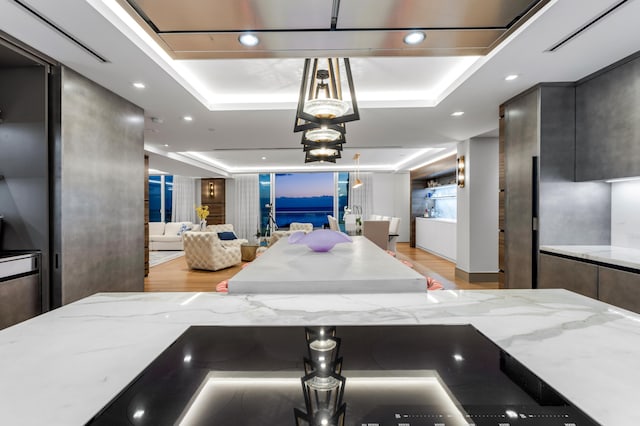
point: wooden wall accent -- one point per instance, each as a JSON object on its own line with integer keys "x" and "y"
{"x": 146, "y": 215}
{"x": 213, "y": 196}
{"x": 501, "y": 200}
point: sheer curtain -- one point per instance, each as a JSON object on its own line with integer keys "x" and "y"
{"x": 247, "y": 206}
{"x": 361, "y": 197}
{"x": 184, "y": 198}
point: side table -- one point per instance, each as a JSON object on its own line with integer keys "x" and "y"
{"x": 248, "y": 251}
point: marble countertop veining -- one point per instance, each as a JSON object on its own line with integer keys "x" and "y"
{"x": 358, "y": 266}
{"x": 613, "y": 255}
{"x": 62, "y": 367}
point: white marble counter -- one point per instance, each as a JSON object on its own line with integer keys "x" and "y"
{"x": 438, "y": 219}
{"x": 17, "y": 264}
{"x": 620, "y": 256}
{"x": 62, "y": 367}
{"x": 357, "y": 267}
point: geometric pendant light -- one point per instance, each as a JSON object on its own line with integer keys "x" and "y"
{"x": 323, "y": 110}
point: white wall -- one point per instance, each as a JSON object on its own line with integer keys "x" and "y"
{"x": 477, "y": 232}
{"x": 391, "y": 195}
{"x": 625, "y": 214}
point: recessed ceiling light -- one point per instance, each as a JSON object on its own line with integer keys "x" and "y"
{"x": 511, "y": 77}
{"x": 248, "y": 39}
{"x": 414, "y": 37}
{"x": 457, "y": 113}
{"x": 187, "y": 118}
{"x": 166, "y": 144}
{"x": 139, "y": 85}
{"x": 264, "y": 158}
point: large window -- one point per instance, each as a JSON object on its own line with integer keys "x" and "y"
{"x": 265, "y": 201}
{"x": 302, "y": 197}
{"x": 160, "y": 198}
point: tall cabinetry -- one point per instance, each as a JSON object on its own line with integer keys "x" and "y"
{"x": 541, "y": 201}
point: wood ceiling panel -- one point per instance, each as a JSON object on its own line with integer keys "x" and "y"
{"x": 236, "y": 15}
{"x": 430, "y": 13}
{"x": 352, "y": 43}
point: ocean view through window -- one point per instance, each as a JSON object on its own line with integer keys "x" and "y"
{"x": 160, "y": 198}
{"x": 302, "y": 197}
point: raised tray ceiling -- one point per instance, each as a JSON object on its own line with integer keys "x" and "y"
{"x": 202, "y": 29}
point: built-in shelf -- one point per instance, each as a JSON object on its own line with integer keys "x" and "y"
{"x": 440, "y": 202}
{"x": 441, "y": 197}
{"x": 431, "y": 188}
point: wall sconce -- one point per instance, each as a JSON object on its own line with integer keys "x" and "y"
{"x": 460, "y": 172}
{"x": 212, "y": 190}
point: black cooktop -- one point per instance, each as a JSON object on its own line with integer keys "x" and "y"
{"x": 436, "y": 375}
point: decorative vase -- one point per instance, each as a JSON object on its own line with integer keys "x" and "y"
{"x": 203, "y": 224}
{"x": 321, "y": 240}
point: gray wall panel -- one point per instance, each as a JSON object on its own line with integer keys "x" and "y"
{"x": 101, "y": 205}
{"x": 570, "y": 212}
{"x": 575, "y": 213}
{"x": 608, "y": 128}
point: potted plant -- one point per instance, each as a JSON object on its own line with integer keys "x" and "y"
{"x": 202, "y": 212}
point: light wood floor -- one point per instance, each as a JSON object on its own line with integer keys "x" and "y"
{"x": 174, "y": 275}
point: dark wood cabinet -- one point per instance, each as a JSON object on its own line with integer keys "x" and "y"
{"x": 558, "y": 272}
{"x": 608, "y": 284}
{"x": 501, "y": 199}
{"x": 619, "y": 288}
{"x": 542, "y": 204}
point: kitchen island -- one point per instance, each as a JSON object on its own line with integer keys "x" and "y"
{"x": 359, "y": 266}
{"x": 62, "y": 367}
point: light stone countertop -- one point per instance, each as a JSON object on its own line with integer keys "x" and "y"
{"x": 349, "y": 267}
{"x": 438, "y": 219}
{"x": 619, "y": 256}
{"x": 62, "y": 367}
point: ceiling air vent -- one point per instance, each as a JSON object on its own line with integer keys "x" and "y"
{"x": 60, "y": 31}
{"x": 579, "y": 31}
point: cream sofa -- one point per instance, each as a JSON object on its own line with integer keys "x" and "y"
{"x": 167, "y": 236}
{"x": 295, "y": 227}
{"x": 204, "y": 250}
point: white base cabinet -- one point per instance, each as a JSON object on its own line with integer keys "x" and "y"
{"x": 437, "y": 236}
